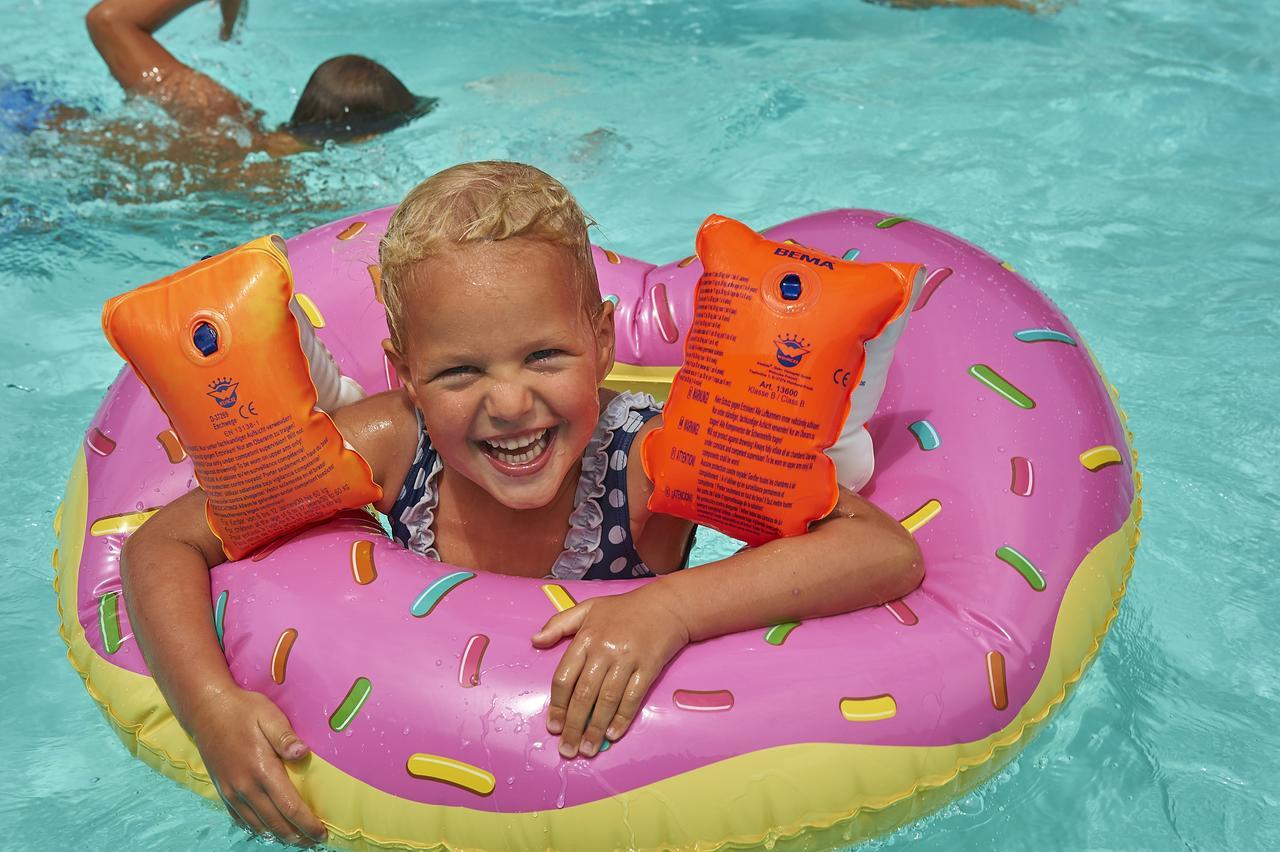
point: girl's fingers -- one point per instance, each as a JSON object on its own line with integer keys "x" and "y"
{"x": 274, "y": 821}
{"x": 562, "y": 684}
{"x": 583, "y": 698}
{"x": 612, "y": 689}
{"x": 560, "y": 625}
{"x": 284, "y": 798}
{"x": 632, "y": 701}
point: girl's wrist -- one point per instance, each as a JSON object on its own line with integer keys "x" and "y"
{"x": 663, "y": 593}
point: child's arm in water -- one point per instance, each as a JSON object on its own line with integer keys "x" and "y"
{"x": 242, "y": 735}
{"x": 855, "y": 557}
{"x": 122, "y": 32}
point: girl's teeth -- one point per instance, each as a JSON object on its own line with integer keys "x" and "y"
{"x": 518, "y": 450}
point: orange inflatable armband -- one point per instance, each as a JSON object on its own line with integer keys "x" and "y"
{"x": 774, "y": 352}
{"x": 219, "y": 350}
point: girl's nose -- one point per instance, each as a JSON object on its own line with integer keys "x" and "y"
{"x": 509, "y": 402}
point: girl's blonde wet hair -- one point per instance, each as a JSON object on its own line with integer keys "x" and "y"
{"x": 479, "y": 202}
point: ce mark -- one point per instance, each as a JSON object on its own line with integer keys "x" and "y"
{"x": 253, "y": 412}
{"x": 841, "y": 377}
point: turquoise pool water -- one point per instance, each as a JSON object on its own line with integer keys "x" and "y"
{"x": 1115, "y": 152}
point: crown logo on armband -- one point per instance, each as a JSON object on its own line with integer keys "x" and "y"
{"x": 791, "y": 349}
{"x": 223, "y": 391}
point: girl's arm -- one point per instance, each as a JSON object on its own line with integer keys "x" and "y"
{"x": 241, "y": 735}
{"x": 855, "y": 557}
{"x": 122, "y": 32}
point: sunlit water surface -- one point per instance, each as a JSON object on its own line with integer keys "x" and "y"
{"x": 1116, "y": 152}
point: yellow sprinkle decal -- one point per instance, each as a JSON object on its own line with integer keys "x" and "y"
{"x": 309, "y": 308}
{"x": 559, "y": 598}
{"x": 57, "y": 521}
{"x": 872, "y": 709}
{"x": 436, "y": 768}
{"x": 351, "y": 230}
{"x": 120, "y": 524}
{"x": 1099, "y": 457}
{"x": 921, "y": 516}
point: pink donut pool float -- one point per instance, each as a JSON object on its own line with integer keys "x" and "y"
{"x": 998, "y": 444}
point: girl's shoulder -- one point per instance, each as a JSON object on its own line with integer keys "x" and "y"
{"x": 383, "y": 429}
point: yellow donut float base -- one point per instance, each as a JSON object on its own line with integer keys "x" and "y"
{"x": 814, "y": 795}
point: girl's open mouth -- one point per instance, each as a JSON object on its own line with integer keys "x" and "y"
{"x": 520, "y": 455}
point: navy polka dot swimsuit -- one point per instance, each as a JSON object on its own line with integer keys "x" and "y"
{"x": 598, "y": 545}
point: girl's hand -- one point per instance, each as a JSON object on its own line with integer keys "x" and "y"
{"x": 243, "y": 737}
{"x": 621, "y": 644}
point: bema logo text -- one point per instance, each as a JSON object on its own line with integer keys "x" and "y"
{"x": 807, "y": 258}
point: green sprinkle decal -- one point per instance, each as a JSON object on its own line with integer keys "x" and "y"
{"x": 1042, "y": 335}
{"x": 109, "y": 621}
{"x": 890, "y": 221}
{"x": 926, "y": 436}
{"x": 220, "y": 615}
{"x": 350, "y": 706}
{"x": 1001, "y": 385}
{"x": 778, "y": 633}
{"x": 1023, "y": 566}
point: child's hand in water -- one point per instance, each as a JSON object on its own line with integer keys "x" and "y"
{"x": 243, "y": 738}
{"x": 621, "y": 644}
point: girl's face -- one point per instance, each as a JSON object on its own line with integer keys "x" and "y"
{"x": 505, "y": 365}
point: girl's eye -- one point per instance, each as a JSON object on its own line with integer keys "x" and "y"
{"x": 461, "y": 370}
{"x": 543, "y": 355}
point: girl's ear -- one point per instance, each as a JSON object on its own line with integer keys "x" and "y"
{"x": 605, "y": 340}
{"x": 402, "y": 370}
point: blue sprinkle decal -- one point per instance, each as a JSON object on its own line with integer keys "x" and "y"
{"x": 219, "y": 614}
{"x": 1040, "y": 335}
{"x": 926, "y": 435}
{"x": 850, "y": 254}
{"x": 433, "y": 594}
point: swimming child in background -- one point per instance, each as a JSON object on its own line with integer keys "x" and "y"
{"x": 347, "y": 98}
{"x": 503, "y": 453}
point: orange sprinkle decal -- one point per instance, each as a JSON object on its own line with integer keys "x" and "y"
{"x": 168, "y": 440}
{"x": 362, "y": 567}
{"x": 375, "y": 275}
{"x": 612, "y": 257}
{"x": 280, "y": 658}
{"x": 995, "y": 680}
{"x": 351, "y": 230}
{"x": 688, "y": 260}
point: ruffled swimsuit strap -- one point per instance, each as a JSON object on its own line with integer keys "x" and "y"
{"x": 598, "y": 545}
{"x": 412, "y": 516}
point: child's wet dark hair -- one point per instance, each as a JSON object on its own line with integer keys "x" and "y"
{"x": 352, "y": 96}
